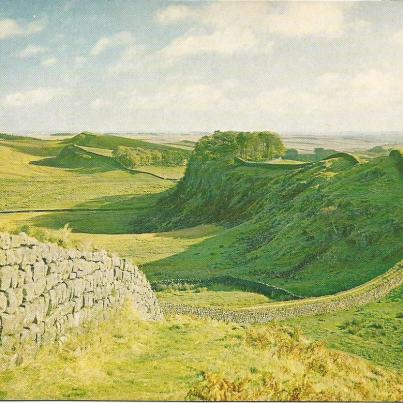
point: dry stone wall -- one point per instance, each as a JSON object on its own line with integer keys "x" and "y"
{"x": 45, "y": 290}
{"x": 369, "y": 292}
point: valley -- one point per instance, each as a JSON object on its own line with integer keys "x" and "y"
{"x": 314, "y": 229}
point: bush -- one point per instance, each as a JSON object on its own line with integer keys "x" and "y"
{"x": 134, "y": 157}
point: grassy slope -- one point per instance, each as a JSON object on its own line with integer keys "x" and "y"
{"x": 25, "y": 185}
{"x": 316, "y": 230}
{"x": 372, "y": 331}
{"x": 112, "y": 142}
{"x": 134, "y": 360}
{"x": 216, "y": 295}
{"x": 198, "y": 250}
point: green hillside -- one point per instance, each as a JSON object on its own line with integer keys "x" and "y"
{"x": 73, "y": 157}
{"x": 112, "y": 142}
{"x": 314, "y": 230}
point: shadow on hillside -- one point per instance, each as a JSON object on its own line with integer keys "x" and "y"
{"x": 106, "y": 215}
{"x": 88, "y": 169}
{"x": 208, "y": 258}
{"x": 198, "y": 231}
{"x": 37, "y": 148}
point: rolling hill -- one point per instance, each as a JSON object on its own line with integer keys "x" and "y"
{"x": 314, "y": 230}
{"x": 111, "y": 142}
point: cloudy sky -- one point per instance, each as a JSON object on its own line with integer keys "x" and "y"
{"x": 134, "y": 65}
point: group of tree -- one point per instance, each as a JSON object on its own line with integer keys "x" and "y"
{"x": 135, "y": 157}
{"x": 253, "y": 146}
{"x": 318, "y": 154}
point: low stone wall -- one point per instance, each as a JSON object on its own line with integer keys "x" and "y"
{"x": 268, "y": 165}
{"x": 347, "y": 156}
{"x": 268, "y": 290}
{"x": 45, "y": 290}
{"x": 369, "y": 292}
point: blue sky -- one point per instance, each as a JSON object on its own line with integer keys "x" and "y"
{"x": 120, "y": 65}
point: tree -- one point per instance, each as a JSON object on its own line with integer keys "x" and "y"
{"x": 291, "y": 154}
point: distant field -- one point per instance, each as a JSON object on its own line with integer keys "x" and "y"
{"x": 219, "y": 296}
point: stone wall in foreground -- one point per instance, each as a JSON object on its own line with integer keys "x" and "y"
{"x": 45, "y": 290}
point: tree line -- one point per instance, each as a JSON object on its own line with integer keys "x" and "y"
{"x": 252, "y": 146}
{"x": 135, "y": 157}
{"x": 318, "y": 154}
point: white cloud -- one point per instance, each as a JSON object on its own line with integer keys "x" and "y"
{"x": 195, "y": 97}
{"x": 99, "y": 103}
{"x": 398, "y": 37}
{"x": 336, "y": 101}
{"x": 231, "y": 28}
{"x": 50, "y": 61}
{"x": 40, "y": 95}
{"x": 309, "y": 19}
{"x": 10, "y": 28}
{"x": 225, "y": 42}
{"x": 79, "y": 61}
{"x": 30, "y": 51}
{"x": 115, "y": 40}
{"x": 173, "y": 14}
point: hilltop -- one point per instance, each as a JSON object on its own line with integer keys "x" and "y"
{"x": 112, "y": 142}
{"x": 314, "y": 229}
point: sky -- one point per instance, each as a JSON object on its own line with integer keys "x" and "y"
{"x": 146, "y": 65}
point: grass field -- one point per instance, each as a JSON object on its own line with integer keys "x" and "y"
{"x": 215, "y": 295}
{"x": 373, "y": 331}
{"x": 128, "y": 359}
{"x": 116, "y": 198}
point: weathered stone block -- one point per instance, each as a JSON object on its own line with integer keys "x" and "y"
{"x": 5, "y": 277}
{"x": 3, "y": 301}
{"x": 39, "y": 286}
{"x": 3, "y": 257}
{"x": 11, "y": 324}
{"x": 28, "y": 292}
{"x": 29, "y": 256}
{"x": 14, "y": 299}
{"x": 5, "y": 241}
{"x": 51, "y": 280}
{"x": 13, "y": 256}
{"x": 38, "y": 270}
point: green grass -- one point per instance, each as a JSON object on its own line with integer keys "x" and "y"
{"x": 216, "y": 295}
{"x": 101, "y": 151}
{"x": 111, "y": 142}
{"x": 372, "y": 331}
{"x": 167, "y": 172}
{"x": 271, "y": 230}
{"x": 318, "y": 230}
{"x": 128, "y": 359}
{"x": 28, "y": 186}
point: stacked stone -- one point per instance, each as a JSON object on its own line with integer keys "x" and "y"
{"x": 45, "y": 290}
{"x": 359, "y": 296}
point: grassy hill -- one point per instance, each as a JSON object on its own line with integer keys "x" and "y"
{"x": 111, "y": 142}
{"x": 314, "y": 230}
{"x": 73, "y": 157}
